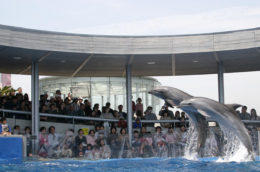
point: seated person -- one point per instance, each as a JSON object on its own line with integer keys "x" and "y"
{"x": 67, "y": 144}
{"x": 146, "y": 149}
{"x": 80, "y": 139}
{"x": 5, "y": 128}
{"x": 91, "y": 140}
{"x": 165, "y": 116}
{"x": 137, "y": 123}
{"x": 17, "y": 130}
{"x": 122, "y": 123}
{"x": 88, "y": 153}
{"x": 28, "y": 135}
{"x": 136, "y": 144}
{"x": 53, "y": 140}
{"x": 105, "y": 151}
{"x": 43, "y": 143}
{"x": 80, "y": 151}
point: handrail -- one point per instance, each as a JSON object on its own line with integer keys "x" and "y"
{"x": 15, "y": 111}
{"x": 106, "y": 120}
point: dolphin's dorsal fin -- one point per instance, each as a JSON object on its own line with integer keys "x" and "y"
{"x": 233, "y": 106}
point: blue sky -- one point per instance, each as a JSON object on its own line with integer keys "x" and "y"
{"x": 147, "y": 17}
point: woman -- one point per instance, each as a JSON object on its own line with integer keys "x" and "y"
{"x": 171, "y": 139}
{"x": 91, "y": 138}
{"x": 43, "y": 143}
{"x": 105, "y": 151}
{"x": 124, "y": 144}
{"x": 165, "y": 117}
{"x": 253, "y": 115}
{"x": 113, "y": 142}
{"x": 80, "y": 139}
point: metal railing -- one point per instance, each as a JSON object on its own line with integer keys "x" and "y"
{"x": 102, "y": 119}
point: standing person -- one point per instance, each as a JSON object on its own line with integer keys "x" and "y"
{"x": 150, "y": 116}
{"x": 107, "y": 114}
{"x": 133, "y": 107}
{"x": 244, "y": 115}
{"x": 121, "y": 113}
{"x": 108, "y": 107}
{"x": 139, "y": 106}
{"x": 165, "y": 108}
{"x": 253, "y": 115}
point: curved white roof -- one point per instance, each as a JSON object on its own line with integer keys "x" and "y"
{"x": 63, "y": 54}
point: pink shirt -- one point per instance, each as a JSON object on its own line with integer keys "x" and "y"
{"x": 139, "y": 106}
{"x": 91, "y": 140}
{"x": 171, "y": 138}
{"x": 43, "y": 139}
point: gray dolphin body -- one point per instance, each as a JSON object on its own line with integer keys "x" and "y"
{"x": 173, "y": 97}
{"x": 221, "y": 113}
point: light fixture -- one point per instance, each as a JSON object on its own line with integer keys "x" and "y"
{"x": 195, "y": 61}
{"x": 17, "y": 58}
{"x": 151, "y": 63}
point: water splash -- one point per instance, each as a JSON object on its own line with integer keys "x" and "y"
{"x": 190, "y": 151}
{"x": 233, "y": 148}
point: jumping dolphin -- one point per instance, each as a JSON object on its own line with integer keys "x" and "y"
{"x": 224, "y": 115}
{"x": 173, "y": 97}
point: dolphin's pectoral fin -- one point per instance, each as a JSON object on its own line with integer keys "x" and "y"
{"x": 170, "y": 102}
{"x": 203, "y": 113}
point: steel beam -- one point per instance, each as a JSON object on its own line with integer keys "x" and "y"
{"x": 129, "y": 102}
{"x": 221, "y": 83}
{"x": 35, "y": 103}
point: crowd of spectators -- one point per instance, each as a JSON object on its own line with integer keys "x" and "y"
{"x": 79, "y": 107}
{"x": 166, "y": 140}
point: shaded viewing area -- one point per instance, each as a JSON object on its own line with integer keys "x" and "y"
{"x": 35, "y": 52}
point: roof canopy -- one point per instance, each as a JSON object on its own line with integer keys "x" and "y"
{"x": 63, "y": 54}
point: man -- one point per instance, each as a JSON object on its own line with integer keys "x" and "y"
{"x": 121, "y": 113}
{"x": 164, "y": 109}
{"x": 5, "y": 128}
{"x": 244, "y": 115}
{"x": 150, "y": 116}
{"x": 108, "y": 106}
{"x": 53, "y": 141}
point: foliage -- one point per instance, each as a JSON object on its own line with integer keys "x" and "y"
{"x": 6, "y": 90}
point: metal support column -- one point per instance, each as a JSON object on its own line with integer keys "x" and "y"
{"x": 221, "y": 83}
{"x": 35, "y": 104}
{"x": 129, "y": 103}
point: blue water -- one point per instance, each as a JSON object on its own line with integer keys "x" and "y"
{"x": 137, "y": 164}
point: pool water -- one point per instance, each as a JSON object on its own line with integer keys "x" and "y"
{"x": 136, "y": 164}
